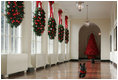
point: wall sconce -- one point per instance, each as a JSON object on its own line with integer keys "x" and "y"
{"x": 99, "y": 34}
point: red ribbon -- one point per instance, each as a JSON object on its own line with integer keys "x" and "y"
{"x": 82, "y": 71}
{"x": 51, "y": 9}
{"x": 66, "y": 21}
{"x": 37, "y": 3}
{"x": 15, "y": 3}
{"x": 60, "y": 14}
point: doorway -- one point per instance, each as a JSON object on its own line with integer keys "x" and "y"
{"x": 84, "y": 35}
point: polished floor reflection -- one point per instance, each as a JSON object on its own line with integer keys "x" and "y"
{"x": 70, "y": 70}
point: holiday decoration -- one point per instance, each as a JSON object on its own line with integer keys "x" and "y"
{"x": 66, "y": 36}
{"x": 60, "y": 33}
{"x": 66, "y": 21}
{"x": 51, "y": 23}
{"x": 14, "y": 12}
{"x": 82, "y": 70}
{"x": 60, "y": 27}
{"x": 91, "y": 50}
{"x": 51, "y": 28}
{"x": 66, "y": 30}
{"x": 39, "y": 19}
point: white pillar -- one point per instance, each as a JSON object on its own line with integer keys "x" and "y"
{"x": 26, "y": 31}
{"x": 45, "y": 34}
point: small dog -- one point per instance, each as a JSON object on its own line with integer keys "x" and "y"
{"x": 82, "y": 70}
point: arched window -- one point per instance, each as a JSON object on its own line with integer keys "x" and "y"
{"x": 36, "y": 40}
{"x": 10, "y": 37}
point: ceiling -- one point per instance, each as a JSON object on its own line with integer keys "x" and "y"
{"x": 96, "y": 9}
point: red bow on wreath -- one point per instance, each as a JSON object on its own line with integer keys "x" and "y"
{"x": 66, "y": 21}
{"x": 37, "y": 4}
{"x": 60, "y": 14}
{"x": 51, "y": 9}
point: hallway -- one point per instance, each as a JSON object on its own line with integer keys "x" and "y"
{"x": 49, "y": 39}
{"x": 70, "y": 70}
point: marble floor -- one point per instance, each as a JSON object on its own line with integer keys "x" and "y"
{"x": 70, "y": 70}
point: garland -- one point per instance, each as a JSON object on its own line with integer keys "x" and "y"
{"x": 14, "y": 12}
{"x": 51, "y": 28}
{"x": 66, "y": 36}
{"x": 60, "y": 33}
{"x": 39, "y": 21}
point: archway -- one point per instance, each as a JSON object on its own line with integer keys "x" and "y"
{"x": 84, "y": 35}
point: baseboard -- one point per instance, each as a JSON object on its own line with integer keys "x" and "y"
{"x": 74, "y": 60}
{"x": 30, "y": 69}
{"x": 105, "y": 60}
{"x": 88, "y": 59}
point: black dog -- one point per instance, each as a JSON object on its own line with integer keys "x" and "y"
{"x": 82, "y": 70}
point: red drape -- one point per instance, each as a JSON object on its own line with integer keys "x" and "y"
{"x": 37, "y": 3}
{"x": 60, "y": 14}
{"x": 51, "y": 9}
{"x": 66, "y": 21}
{"x": 91, "y": 50}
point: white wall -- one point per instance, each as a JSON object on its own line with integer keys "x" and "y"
{"x": 103, "y": 24}
{"x": 113, "y": 54}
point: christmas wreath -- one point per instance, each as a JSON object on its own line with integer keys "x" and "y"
{"x": 39, "y": 21}
{"x": 14, "y": 12}
{"x": 60, "y": 33}
{"x": 66, "y": 36}
{"x": 51, "y": 28}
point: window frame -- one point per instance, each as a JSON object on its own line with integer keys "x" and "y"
{"x": 7, "y": 35}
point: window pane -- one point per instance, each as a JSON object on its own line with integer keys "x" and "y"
{"x": 38, "y": 38}
{"x": 6, "y": 29}
{"x": 2, "y": 6}
{"x": 50, "y": 46}
{"x": 38, "y": 44}
{"x": 59, "y": 48}
{"x": 18, "y": 31}
{"x": 12, "y": 44}
{"x": 33, "y": 35}
{"x": 12, "y": 31}
{"x": 2, "y": 24}
{"x": 17, "y": 45}
{"x": 2, "y": 43}
{"x": 38, "y": 47}
{"x": 33, "y": 47}
{"x": 65, "y": 48}
{"x": 6, "y": 44}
